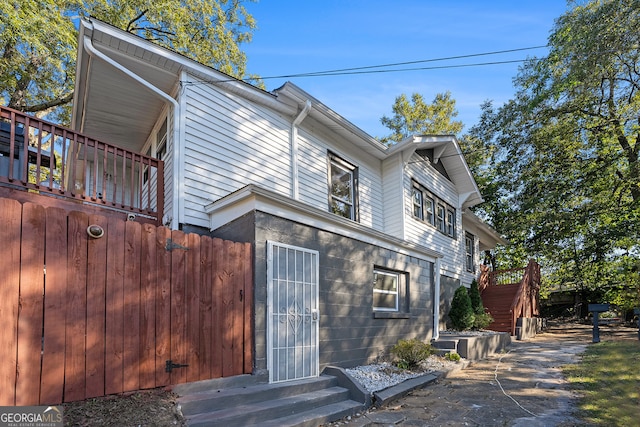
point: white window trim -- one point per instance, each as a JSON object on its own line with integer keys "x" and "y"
{"x": 380, "y": 291}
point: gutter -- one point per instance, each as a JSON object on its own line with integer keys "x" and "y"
{"x": 293, "y": 142}
{"x": 436, "y": 300}
{"x": 177, "y": 143}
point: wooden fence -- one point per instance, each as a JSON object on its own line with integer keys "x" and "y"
{"x": 85, "y": 317}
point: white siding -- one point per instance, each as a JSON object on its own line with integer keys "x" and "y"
{"x": 230, "y": 143}
{"x": 393, "y": 193}
{"x": 313, "y": 149}
{"x": 424, "y": 234}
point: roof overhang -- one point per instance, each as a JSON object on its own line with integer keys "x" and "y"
{"x": 252, "y": 197}
{"x": 487, "y": 236}
{"x": 112, "y": 106}
{"x": 446, "y": 150}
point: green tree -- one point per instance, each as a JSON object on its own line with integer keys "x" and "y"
{"x": 564, "y": 153}
{"x": 415, "y": 116}
{"x": 461, "y": 312}
{"x": 38, "y": 41}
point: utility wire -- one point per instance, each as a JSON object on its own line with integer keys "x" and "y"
{"x": 448, "y": 58}
{"x": 381, "y": 68}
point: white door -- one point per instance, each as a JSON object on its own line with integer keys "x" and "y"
{"x": 292, "y": 312}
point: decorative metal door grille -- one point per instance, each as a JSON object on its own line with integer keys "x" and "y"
{"x": 293, "y": 312}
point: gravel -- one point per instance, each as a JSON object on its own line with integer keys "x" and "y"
{"x": 376, "y": 377}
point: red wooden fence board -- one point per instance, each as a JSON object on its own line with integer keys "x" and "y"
{"x": 178, "y": 305}
{"x": 96, "y": 310}
{"x": 31, "y": 304}
{"x": 10, "y": 213}
{"x": 163, "y": 306}
{"x": 237, "y": 296}
{"x": 76, "y": 300}
{"x": 193, "y": 307}
{"x": 110, "y": 312}
{"x": 247, "y": 315}
{"x": 114, "y": 341}
{"x": 206, "y": 318}
{"x": 131, "y": 359}
{"x": 216, "y": 309}
{"x": 52, "y": 382}
{"x": 148, "y": 285}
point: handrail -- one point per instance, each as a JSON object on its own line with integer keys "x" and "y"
{"x": 41, "y": 156}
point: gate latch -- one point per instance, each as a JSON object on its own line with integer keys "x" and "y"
{"x": 170, "y": 366}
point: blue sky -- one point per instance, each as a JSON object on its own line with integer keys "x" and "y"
{"x": 305, "y": 36}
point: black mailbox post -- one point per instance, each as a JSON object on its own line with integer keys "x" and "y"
{"x": 596, "y": 309}
{"x": 636, "y": 311}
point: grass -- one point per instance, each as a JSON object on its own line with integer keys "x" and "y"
{"x": 608, "y": 381}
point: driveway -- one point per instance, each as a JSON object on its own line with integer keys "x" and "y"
{"x": 523, "y": 386}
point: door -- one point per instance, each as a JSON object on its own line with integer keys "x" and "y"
{"x": 292, "y": 310}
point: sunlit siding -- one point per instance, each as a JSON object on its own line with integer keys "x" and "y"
{"x": 393, "y": 192}
{"x": 313, "y": 174}
{"x": 424, "y": 234}
{"x": 230, "y": 143}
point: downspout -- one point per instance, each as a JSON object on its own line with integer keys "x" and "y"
{"x": 177, "y": 143}
{"x": 436, "y": 300}
{"x": 293, "y": 143}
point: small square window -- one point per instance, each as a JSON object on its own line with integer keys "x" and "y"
{"x": 386, "y": 287}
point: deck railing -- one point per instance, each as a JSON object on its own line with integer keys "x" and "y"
{"x": 40, "y": 156}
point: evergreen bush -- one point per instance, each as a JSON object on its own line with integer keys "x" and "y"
{"x": 461, "y": 312}
{"x": 411, "y": 353}
{"x": 482, "y": 318}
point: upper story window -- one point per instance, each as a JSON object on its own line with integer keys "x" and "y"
{"x": 469, "y": 246}
{"x": 343, "y": 180}
{"x": 433, "y": 211}
{"x": 161, "y": 140}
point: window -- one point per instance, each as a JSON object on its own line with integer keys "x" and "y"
{"x": 342, "y": 188}
{"x": 433, "y": 211}
{"x": 161, "y": 141}
{"x": 440, "y": 218}
{"x": 428, "y": 208}
{"x": 386, "y": 286}
{"x": 451, "y": 223}
{"x": 417, "y": 203}
{"x": 469, "y": 245}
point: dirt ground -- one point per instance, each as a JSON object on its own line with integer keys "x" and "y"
{"x": 523, "y": 386}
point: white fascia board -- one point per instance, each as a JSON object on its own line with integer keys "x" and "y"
{"x": 252, "y": 197}
{"x": 485, "y": 233}
{"x": 204, "y": 72}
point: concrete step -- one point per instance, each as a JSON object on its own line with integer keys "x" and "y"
{"x": 301, "y": 403}
{"x": 270, "y": 411}
{"x": 224, "y": 398}
{"x": 318, "y": 416}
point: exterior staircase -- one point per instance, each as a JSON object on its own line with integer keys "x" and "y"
{"x": 247, "y": 400}
{"x": 497, "y": 301}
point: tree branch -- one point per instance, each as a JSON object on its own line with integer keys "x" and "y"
{"x": 49, "y": 104}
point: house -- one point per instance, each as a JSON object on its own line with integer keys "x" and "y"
{"x": 355, "y": 245}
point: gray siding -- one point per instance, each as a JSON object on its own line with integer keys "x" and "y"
{"x": 349, "y": 333}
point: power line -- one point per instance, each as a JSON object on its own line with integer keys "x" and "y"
{"x": 380, "y": 68}
{"x": 447, "y": 58}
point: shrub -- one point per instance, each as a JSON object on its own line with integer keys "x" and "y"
{"x": 474, "y": 296}
{"x": 454, "y": 357}
{"x": 411, "y": 352}
{"x": 482, "y": 320}
{"x": 461, "y": 313}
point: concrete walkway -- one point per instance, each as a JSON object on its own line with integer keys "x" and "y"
{"x": 523, "y": 386}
